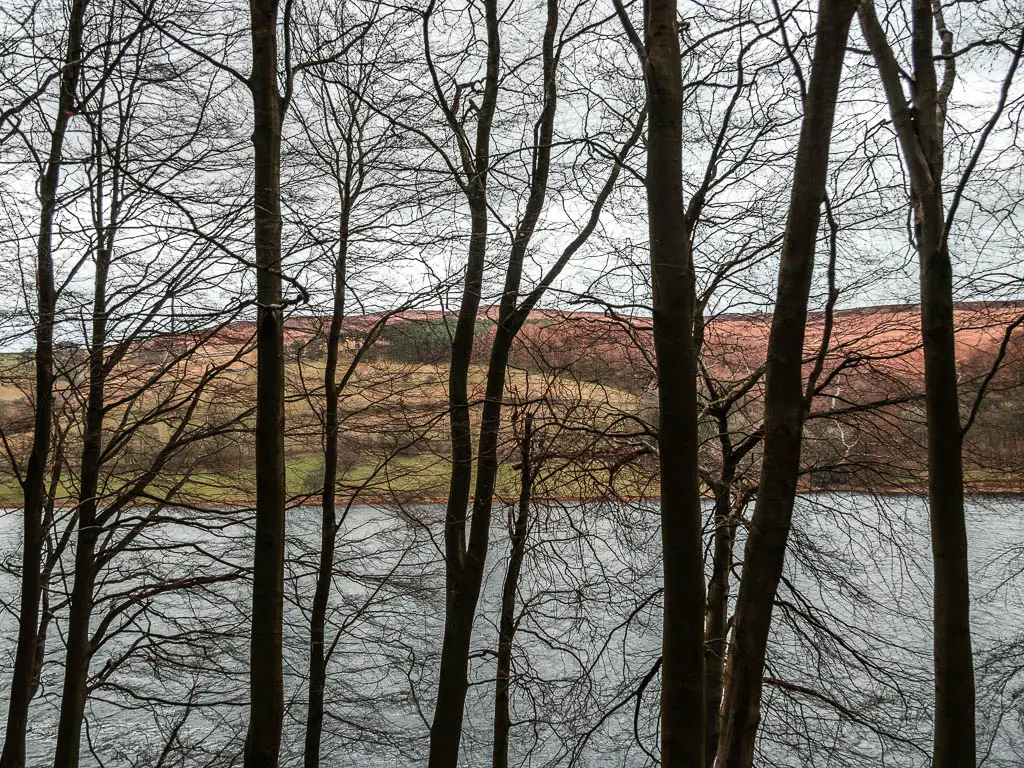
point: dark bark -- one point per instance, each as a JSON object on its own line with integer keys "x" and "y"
{"x": 23, "y": 681}
{"x": 79, "y": 649}
{"x": 464, "y": 560}
{"x": 461, "y": 595}
{"x": 716, "y": 621}
{"x": 328, "y": 520}
{"x": 507, "y": 621}
{"x": 729, "y": 502}
{"x": 266, "y": 693}
{"x": 954, "y": 745}
{"x": 920, "y": 133}
{"x": 464, "y": 568}
{"x": 785, "y": 405}
{"x": 53, "y": 551}
{"x": 672, "y": 280}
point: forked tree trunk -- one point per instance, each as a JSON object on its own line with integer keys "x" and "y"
{"x": 672, "y": 280}
{"x": 507, "y": 621}
{"x": 462, "y": 588}
{"x": 266, "y": 693}
{"x": 464, "y": 563}
{"x": 465, "y": 560}
{"x": 22, "y": 685}
{"x": 920, "y": 133}
{"x": 784, "y": 404}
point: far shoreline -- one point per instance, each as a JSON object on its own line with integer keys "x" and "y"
{"x": 237, "y": 505}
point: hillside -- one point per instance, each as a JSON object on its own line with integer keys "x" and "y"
{"x": 588, "y": 375}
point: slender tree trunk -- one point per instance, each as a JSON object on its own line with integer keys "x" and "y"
{"x": 462, "y": 587}
{"x": 486, "y": 473}
{"x": 328, "y": 523}
{"x": 79, "y": 649}
{"x": 22, "y": 685}
{"x": 266, "y": 691}
{"x": 954, "y": 734}
{"x": 920, "y": 133}
{"x": 51, "y": 557}
{"x": 672, "y": 279}
{"x": 716, "y": 622}
{"x": 507, "y": 620}
{"x": 785, "y": 405}
{"x": 464, "y": 593}
{"x": 465, "y": 561}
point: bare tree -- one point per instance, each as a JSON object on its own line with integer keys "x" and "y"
{"x": 34, "y": 482}
{"x": 455, "y": 189}
{"x": 466, "y": 557}
{"x": 920, "y": 126}
{"x": 518, "y": 530}
{"x": 785, "y": 404}
{"x": 117, "y": 318}
{"x": 266, "y": 689}
{"x": 673, "y": 302}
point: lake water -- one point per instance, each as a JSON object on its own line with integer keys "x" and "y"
{"x": 850, "y": 649}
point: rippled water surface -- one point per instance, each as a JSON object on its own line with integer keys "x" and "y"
{"x": 849, "y": 680}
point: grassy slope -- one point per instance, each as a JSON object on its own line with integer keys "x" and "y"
{"x": 393, "y": 439}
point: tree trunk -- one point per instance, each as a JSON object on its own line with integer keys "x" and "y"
{"x": 465, "y": 561}
{"x": 461, "y": 588}
{"x": 954, "y": 745}
{"x": 463, "y": 572}
{"x": 328, "y": 522}
{"x": 785, "y": 406}
{"x": 672, "y": 279}
{"x": 79, "y": 648}
{"x": 507, "y": 620}
{"x": 22, "y": 685}
{"x": 464, "y": 593}
{"x": 954, "y": 735}
{"x": 716, "y": 622}
{"x": 266, "y": 692}
{"x": 920, "y": 133}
